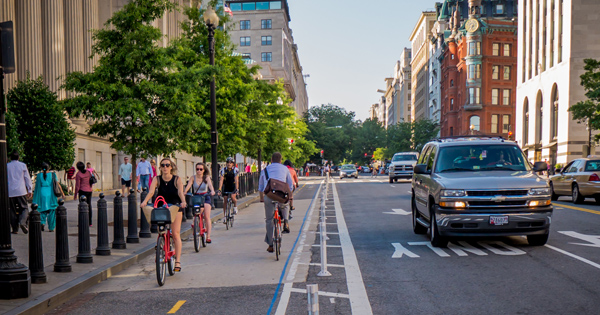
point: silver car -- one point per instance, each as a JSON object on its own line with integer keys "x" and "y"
{"x": 348, "y": 170}
{"x": 578, "y": 179}
{"x": 479, "y": 187}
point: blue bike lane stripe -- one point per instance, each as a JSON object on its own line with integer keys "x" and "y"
{"x": 291, "y": 252}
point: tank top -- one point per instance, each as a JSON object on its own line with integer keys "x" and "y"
{"x": 199, "y": 190}
{"x": 168, "y": 190}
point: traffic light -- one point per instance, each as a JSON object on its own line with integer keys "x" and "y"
{"x": 321, "y": 153}
{"x": 292, "y": 141}
{"x": 510, "y": 134}
{"x": 365, "y": 155}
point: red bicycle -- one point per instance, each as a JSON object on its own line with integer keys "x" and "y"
{"x": 277, "y": 229}
{"x": 200, "y": 233}
{"x": 165, "y": 253}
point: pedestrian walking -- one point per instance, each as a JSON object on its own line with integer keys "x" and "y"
{"x": 45, "y": 197}
{"x": 83, "y": 186}
{"x": 253, "y": 168}
{"x": 153, "y": 165}
{"x": 248, "y": 168}
{"x": 144, "y": 173}
{"x": 125, "y": 176}
{"x": 88, "y": 166}
{"x": 19, "y": 189}
{"x": 70, "y": 179}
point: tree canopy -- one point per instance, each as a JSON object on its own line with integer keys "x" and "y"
{"x": 588, "y": 111}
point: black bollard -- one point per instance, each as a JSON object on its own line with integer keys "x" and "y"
{"x": 36, "y": 253}
{"x": 132, "y": 236}
{"x": 102, "y": 249}
{"x": 118, "y": 229}
{"x": 62, "y": 263}
{"x": 144, "y": 225}
{"x": 84, "y": 254}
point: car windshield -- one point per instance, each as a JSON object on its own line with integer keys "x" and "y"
{"x": 404, "y": 157}
{"x": 592, "y": 166}
{"x": 348, "y": 168}
{"x": 470, "y": 158}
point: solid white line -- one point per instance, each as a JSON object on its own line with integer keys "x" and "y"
{"x": 287, "y": 287}
{"x": 589, "y": 262}
{"x": 323, "y": 293}
{"x": 359, "y": 301}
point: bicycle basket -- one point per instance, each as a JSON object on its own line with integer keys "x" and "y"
{"x": 197, "y": 203}
{"x": 160, "y": 215}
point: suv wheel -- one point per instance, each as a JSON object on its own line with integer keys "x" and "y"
{"x": 577, "y": 197}
{"x": 436, "y": 239}
{"x": 537, "y": 240}
{"x": 553, "y": 196}
{"x": 417, "y": 227}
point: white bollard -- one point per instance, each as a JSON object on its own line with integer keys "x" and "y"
{"x": 323, "y": 272}
{"x": 313, "y": 298}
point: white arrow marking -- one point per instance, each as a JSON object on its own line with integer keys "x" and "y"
{"x": 593, "y": 239}
{"x": 399, "y": 211}
{"x": 401, "y": 251}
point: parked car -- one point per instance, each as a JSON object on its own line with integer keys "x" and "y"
{"x": 479, "y": 186}
{"x": 402, "y": 165}
{"x": 348, "y": 170}
{"x": 578, "y": 179}
{"x": 366, "y": 169}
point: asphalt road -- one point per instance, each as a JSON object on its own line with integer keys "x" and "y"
{"x": 377, "y": 265}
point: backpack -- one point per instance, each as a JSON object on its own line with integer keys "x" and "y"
{"x": 276, "y": 189}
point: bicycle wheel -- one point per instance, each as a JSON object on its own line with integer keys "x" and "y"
{"x": 226, "y": 218}
{"x": 231, "y": 216}
{"x": 203, "y": 235}
{"x": 276, "y": 238}
{"x": 160, "y": 261}
{"x": 196, "y": 231}
{"x": 171, "y": 261}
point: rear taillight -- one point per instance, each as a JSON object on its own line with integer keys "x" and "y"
{"x": 594, "y": 178}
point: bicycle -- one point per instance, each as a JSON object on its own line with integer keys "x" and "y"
{"x": 165, "y": 253}
{"x": 199, "y": 231}
{"x": 228, "y": 217}
{"x": 277, "y": 230}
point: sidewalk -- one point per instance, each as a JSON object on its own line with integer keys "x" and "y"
{"x": 62, "y": 286}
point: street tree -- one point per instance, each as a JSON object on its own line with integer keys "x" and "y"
{"x": 38, "y": 128}
{"x": 370, "y": 135}
{"x": 588, "y": 111}
{"x": 399, "y": 138}
{"x": 423, "y": 130}
{"x": 332, "y": 128}
{"x": 130, "y": 97}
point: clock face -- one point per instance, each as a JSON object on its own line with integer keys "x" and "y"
{"x": 472, "y": 25}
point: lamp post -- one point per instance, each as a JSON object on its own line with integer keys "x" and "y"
{"x": 472, "y": 128}
{"x": 212, "y": 21}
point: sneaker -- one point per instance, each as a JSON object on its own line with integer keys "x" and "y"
{"x": 24, "y": 228}
{"x": 286, "y": 227}
{"x": 235, "y": 210}
{"x": 270, "y": 249}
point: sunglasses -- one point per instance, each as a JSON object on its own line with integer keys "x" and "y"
{"x": 199, "y": 169}
{"x": 165, "y": 165}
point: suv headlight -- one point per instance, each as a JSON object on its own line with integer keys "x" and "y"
{"x": 391, "y": 167}
{"x": 539, "y": 191}
{"x": 453, "y": 193}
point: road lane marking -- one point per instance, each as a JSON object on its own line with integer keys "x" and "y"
{"x": 323, "y": 293}
{"x": 176, "y": 307}
{"x": 589, "y": 262}
{"x": 390, "y": 185}
{"x": 398, "y": 211}
{"x": 359, "y": 300}
{"x": 593, "y": 239}
{"x": 577, "y": 208}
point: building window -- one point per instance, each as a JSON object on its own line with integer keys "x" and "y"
{"x": 451, "y": 83}
{"x": 474, "y": 123}
{"x": 526, "y": 122}
{"x": 499, "y": 9}
{"x": 266, "y": 40}
{"x": 245, "y": 25}
{"x": 249, "y": 6}
{"x": 552, "y": 27}
{"x": 505, "y": 123}
{"x": 496, "y": 49}
{"x": 474, "y": 48}
{"x": 266, "y": 57}
{"x": 560, "y": 30}
{"x": 506, "y": 72}
{"x": 474, "y": 95}
{"x": 452, "y": 56}
{"x": 235, "y": 6}
{"x": 262, "y": 5}
{"x": 275, "y": 5}
{"x": 451, "y": 104}
{"x": 506, "y": 50}
{"x": 451, "y": 131}
{"x": 506, "y": 97}
{"x": 245, "y": 41}
{"x": 471, "y": 71}
{"x": 265, "y": 24}
{"x": 495, "y": 72}
{"x": 477, "y": 71}
{"x": 494, "y": 124}
{"x": 495, "y": 96}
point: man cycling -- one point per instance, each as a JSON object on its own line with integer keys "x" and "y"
{"x": 229, "y": 183}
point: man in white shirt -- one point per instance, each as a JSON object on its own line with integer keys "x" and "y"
{"x": 280, "y": 172}
{"x": 19, "y": 189}
{"x": 125, "y": 176}
{"x": 144, "y": 172}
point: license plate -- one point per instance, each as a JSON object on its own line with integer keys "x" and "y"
{"x": 498, "y": 220}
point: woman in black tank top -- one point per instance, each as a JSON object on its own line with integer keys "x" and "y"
{"x": 170, "y": 187}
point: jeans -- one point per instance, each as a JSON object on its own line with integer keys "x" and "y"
{"x": 144, "y": 181}
{"x": 269, "y": 213}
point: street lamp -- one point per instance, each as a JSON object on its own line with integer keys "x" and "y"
{"x": 212, "y": 21}
{"x": 472, "y": 128}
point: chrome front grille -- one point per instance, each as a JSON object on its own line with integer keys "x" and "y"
{"x": 483, "y": 193}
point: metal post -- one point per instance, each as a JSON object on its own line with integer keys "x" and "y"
{"x": 118, "y": 229}
{"x": 36, "y": 254}
{"x": 62, "y": 263}
{"x": 132, "y": 208}
{"x": 83, "y": 232}
{"x": 144, "y": 225}
{"x": 214, "y": 138}
{"x": 15, "y": 280}
{"x": 102, "y": 249}
{"x": 312, "y": 291}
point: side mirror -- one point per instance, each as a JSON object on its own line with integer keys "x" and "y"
{"x": 558, "y": 171}
{"x": 540, "y": 166}
{"x": 421, "y": 169}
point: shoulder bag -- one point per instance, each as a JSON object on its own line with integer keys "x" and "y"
{"x": 58, "y": 192}
{"x": 276, "y": 189}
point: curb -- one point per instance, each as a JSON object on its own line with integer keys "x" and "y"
{"x": 55, "y": 298}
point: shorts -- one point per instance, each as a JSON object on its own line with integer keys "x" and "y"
{"x": 127, "y": 183}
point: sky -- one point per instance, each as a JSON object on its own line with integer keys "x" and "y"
{"x": 348, "y": 47}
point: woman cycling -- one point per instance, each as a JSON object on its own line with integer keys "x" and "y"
{"x": 200, "y": 184}
{"x": 170, "y": 187}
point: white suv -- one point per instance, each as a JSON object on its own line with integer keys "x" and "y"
{"x": 402, "y": 165}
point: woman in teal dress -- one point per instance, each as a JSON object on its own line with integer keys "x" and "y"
{"x": 44, "y": 197}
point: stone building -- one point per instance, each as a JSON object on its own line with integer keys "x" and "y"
{"x": 555, "y": 36}
{"x": 262, "y": 33}
{"x": 420, "y": 40}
